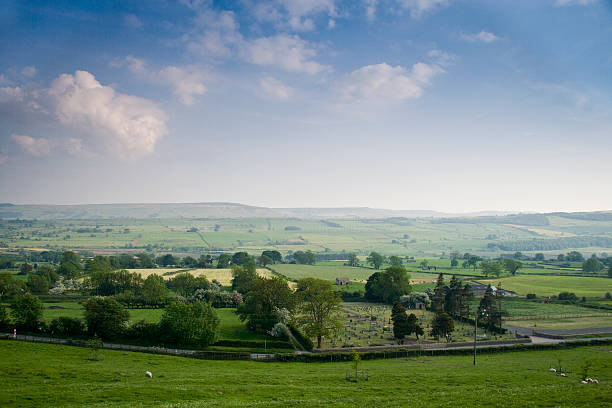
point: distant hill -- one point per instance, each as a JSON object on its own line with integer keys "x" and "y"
{"x": 211, "y": 210}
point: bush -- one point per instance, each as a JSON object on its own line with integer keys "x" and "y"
{"x": 531, "y": 296}
{"x": 27, "y": 313}
{"x": 5, "y": 321}
{"x": 143, "y": 332}
{"x": 67, "y": 326}
{"x": 105, "y": 317}
{"x": 194, "y": 324}
{"x": 299, "y": 336}
{"x": 568, "y": 296}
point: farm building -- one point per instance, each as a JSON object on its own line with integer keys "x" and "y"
{"x": 342, "y": 281}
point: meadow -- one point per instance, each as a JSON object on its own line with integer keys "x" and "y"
{"x": 563, "y": 323}
{"x": 224, "y": 276}
{"x": 62, "y": 376}
{"x": 553, "y": 285}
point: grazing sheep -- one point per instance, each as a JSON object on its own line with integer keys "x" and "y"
{"x": 583, "y": 382}
{"x": 149, "y": 374}
{"x": 562, "y": 375}
{"x": 552, "y": 370}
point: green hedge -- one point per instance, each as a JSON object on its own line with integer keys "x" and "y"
{"x": 299, "y": 336}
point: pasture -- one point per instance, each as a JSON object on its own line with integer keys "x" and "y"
{"x": 563, "y": 323}
{"x": 553, "y": 285}
{"x": 62, "y": 376}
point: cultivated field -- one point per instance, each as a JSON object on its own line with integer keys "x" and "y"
{"x": 224, "y": 276}
{"x": 62, "y": 376}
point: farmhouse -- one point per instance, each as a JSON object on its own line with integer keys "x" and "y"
{"x": 342, "y": 281}
{"x": 478, "y": 289}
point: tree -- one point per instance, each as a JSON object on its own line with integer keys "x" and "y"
{"x": 304, "y": 257}
{"x": 561, "y": 258}
{"x": 243, "y": 277}
{"x": 145, "y": 261}
{"x": 518, "y": 255}
{"x": 511, "y": 266}
{"x": 488, "y": 309}
{"x": 239, "y": 258}
{"x": 37, "y": 284}
{"x": 275, "y": 256}
{"x": 466, "y": 298}
{"x": 264, "y": 297}
{"x": 166, "y": 260}
{"x": 539, "y": 257}
{"x": 189, "y": 262}
{"x": 25, "y": 268}
{"x": 442, "y": 325}
{"x": 105, "y": 317}
{"x": 575, "y": 256}
{"x": 375, "y": 259}
{"x": 473, "y": 260}
{"x": 205, "y": 261}
{"x": 194, "y": 324}
{"x": 70, "y": 266}
{"x": 400, "y": 322}
{"x": 610, "y": 270}
{"x": 414, "y": 326}
{"x": 491, "y": 268}
{"x": 48, "y": 272}
{"x": 185, "y": 284}
{"x": 9, "y": 286}
{"x": 97, "y": 264}
{"x": 439, "y": 295}
{"x": 592, "y": 265}
{"x": 319, "y": 308}
{"x": 453, "y": 298}
{"x": 223, "y": 261}
{"x": 352, "y": 259}
{"x": 265, "y": 260}
{"x": 154, "y": 290}
{"x": 454, "y": 262}
{"x": 27, "y": 312}
{"x": 388, "y": 286}
{"x": 395, "y": 260}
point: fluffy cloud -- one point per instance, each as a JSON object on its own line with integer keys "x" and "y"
{"x": 34, "y": 146}
{"x": 283, "y": 51}
{"x": 420, "y": 7}
{"x": 565, "y": 3}
{"x": 295, "y": 15}
{"x": 28, "y": 71}
{"x": 384, "y": 83}
{"x": 219, "y": 36}
{"x": 186, "y": 82}
{"x": 122, "y": 124}
{"x": 275, "y": 88}
{"x": 483, "y": 36}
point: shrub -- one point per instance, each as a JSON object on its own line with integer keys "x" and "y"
{"x": 144, "y": 332}
{"x": 194, "y": 324}
{"x": 608, "y": 296}
{"x": 105, "y": 317}
{"x": 568, "y": 296}
{"x": 531, "y": 296}
{"x": 67, "y": 326}
{"x": 5, "y": 321}
{"x": 27, "y": 312}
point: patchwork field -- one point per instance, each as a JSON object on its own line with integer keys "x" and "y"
{"x": 62, "y": 376}
{"x": 553, "y": 285}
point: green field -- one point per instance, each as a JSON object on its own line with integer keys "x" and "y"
{"x": 567, "y": 323}
{"x": 553, "y": 285}
{"x": 61, "y": 376}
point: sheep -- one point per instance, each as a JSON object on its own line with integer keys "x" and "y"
{"x": 149, "y": 374}
{"x": 583, "y": 382}
{"x": 562, "y": 375}
{"x": 552, "y": 370}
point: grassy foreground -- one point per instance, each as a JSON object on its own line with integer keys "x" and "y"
{"x": 49, "y": 375}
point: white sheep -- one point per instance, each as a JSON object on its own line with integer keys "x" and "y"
{"x": 583, "y": 382}
{"x": 562, "y": 375}
{"x": 149, "y": 374}
{"x": 552, "y": 370}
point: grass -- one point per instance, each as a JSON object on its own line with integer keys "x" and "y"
{"x": 563, "y": 323}
{"x": 60, "y": 376}
{"x": 553, "y": 285}
{"x": 224, "y": 276}
{"x": 519, "y": 307}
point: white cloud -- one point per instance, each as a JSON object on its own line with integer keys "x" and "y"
{"x": 185, "y": 82}
{"x": 34, "y": 146}
{"x": 420, "y": 7}
{"x": 331, "y": 24}
{"x": 295, "y": 15}
{"x": 11, "y": 94}
{"x": 282, "y": 51}
{"x": 275, "y": 88}
{"x": 132, "y": 20}
{"x": 220, "y": 34}
{"x": 28, "y": 71}
{"x": 442, "y": 58}
{"x": 483, "y": 36}
{"x": 385, "y": 83}
{"x": 123, "y": 124}
{"x": 565, "y": 3}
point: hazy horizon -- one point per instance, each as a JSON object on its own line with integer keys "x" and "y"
{"x": 441, "y": 105}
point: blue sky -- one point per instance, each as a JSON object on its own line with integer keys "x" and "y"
{"x": 446, "y": 105}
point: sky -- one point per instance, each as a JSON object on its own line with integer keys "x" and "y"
{"x": 447, "y": 105}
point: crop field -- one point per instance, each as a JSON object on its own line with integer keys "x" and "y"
{"x": 224, "y": 276}
{"x": 61, "y": 376}
{"x": 553, "y": 285}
